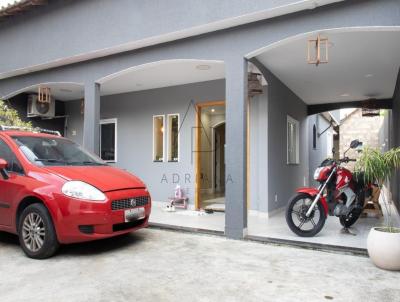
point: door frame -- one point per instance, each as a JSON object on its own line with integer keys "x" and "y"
{"x": 214, "y": 148}
{"x": 198, "y": 107}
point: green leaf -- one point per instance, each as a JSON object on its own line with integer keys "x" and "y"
{"x": 10, "y": 117}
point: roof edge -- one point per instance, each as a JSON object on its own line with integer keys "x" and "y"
{"x": 223, "y": 24}
{"x": 19, "y": 6}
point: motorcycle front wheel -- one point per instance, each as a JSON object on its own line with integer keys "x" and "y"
{"x": 297, "y": 219}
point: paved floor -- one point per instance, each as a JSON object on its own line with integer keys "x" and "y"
{"x": 156, "y": 265}
{"x": 273, "y": 227}
{"x": 331, "y": 234}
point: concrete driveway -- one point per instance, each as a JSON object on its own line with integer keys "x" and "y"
{"x": 157, "y": 265}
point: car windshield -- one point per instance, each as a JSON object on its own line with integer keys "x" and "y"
{"x": 49, "y": 151}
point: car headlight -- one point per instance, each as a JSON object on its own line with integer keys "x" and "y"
{"x": 82, "y": 190}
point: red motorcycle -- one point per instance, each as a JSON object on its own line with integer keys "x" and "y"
{"x": 340, "y": 193}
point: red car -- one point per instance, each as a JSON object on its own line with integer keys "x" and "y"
{"x": 53, "y": 192}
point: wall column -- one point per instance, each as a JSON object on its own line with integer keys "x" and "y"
{"x": 91, "y": 132}
{"x": 236, "y": 148}
{"x": 394, "y": 134}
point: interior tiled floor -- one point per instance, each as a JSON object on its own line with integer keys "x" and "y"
{"x": 208, "y": 199}
{"x": 187, "y": 218}
{"x": 274, "y": 227}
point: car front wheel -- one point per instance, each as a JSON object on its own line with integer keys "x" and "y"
{"x": 37, "y": 235}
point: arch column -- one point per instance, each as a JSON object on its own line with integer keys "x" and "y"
{"x": 91, "y": 119}
{"x": 236, "y": 148}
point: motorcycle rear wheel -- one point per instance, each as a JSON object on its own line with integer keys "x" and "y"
{"x": 297, "y": 207}
{"x": 350, "y": 219}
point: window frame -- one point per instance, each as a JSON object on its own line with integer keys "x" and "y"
{"x": 115, "y": 122}
{"x": 314, "y": 137}
{"x": 329, "y": 144}
{"x": 163, "y": 139}
{"x": 295, "y": 122}
{"x": 3, "y": 140}
{"x": 168, "y": 138}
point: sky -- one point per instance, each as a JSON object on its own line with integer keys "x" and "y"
{"x": 346, "y": 112}
{"x": 5, "y": 2}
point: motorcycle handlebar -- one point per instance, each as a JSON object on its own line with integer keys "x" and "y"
{"x": 346, "y": 160}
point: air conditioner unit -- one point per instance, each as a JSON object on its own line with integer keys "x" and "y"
{"x": 40, "y": 109}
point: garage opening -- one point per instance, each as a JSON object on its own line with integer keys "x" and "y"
{"x": 167, "y": 119}
{"x": 303, "y": 123}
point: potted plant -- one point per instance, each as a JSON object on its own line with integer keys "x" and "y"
{"x": 383, "y": 242}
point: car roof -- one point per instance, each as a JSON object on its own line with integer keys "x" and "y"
{"x": 28, "y": 133}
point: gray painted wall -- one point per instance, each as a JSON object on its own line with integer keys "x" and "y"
{"x": 283, "y": 179}
{"x": 70, "y": 28}
{"x": 227, "y": 45}
{"x": 317, "y": 155}
{"x": 74, "y": 126}
{"x": 395, "y": 139}
{"x": 217, "y": 46}
{"x": 134, "y": 112}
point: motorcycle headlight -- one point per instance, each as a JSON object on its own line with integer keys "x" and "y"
{"x": 317, "y": 172}
{"x": 82, "y": 190}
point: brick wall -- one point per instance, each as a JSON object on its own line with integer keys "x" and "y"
{"x": 365, "y": 129}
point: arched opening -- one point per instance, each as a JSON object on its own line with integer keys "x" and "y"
{"x": 363, "y": 65}
{"x": 53, "y": 113}
{"x": 159, "y": 112}
{"x": 159, "y": 74}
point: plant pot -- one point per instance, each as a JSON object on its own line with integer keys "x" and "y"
{"x": 384, "y": 248}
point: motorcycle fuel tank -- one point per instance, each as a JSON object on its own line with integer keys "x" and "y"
{"x": 343, "y": 178}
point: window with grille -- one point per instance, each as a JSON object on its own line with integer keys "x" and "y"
{"x": 292, "y": 141}
{"x": 173, "y": 137}
{"x": 158, "y": 138}
{"x": 108, "y": 140}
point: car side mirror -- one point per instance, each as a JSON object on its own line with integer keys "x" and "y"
{"x": 355, "y": 143}
{"x": 3, "y": 166}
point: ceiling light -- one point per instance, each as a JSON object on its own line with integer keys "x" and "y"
{"x": 345, "y": 95}
{"x": 213, "y": 110}
{"x": 369, "y": 75}
{"x": 65, "y": 90}
{"x": 317, "y": 50}
{"x": 203, "y": 67}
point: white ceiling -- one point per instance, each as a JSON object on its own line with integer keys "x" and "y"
{"x": 362, "y": 65}
{"x": 162, "y": 74}
{"x": 214, "y": 110}
{"x": 60, "y": 91}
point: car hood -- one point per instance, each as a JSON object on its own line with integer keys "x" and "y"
{"x": 105, "y": 178}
